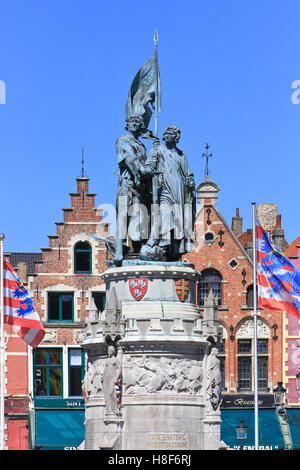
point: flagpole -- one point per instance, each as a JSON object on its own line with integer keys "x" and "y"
{"x": 156, "y": 78}
{"x": 255, "y": 328}
{"x": 154, "y": 209}
{"x": 2, "y": 345}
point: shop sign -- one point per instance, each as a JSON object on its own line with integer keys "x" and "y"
{"x": 247, "y": 401}
{"x": 58, "y": 403}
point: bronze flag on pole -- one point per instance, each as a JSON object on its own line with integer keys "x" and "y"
{"x": 143, "y": 91}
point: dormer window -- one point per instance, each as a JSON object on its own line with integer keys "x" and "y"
{"x": 82, "y": 258}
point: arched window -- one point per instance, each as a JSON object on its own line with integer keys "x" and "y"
{"x": 82, "y": 258}
{"x": 249, "y": 297}
{"x": 210, "y": 279}
{"x": 245, "y": 355}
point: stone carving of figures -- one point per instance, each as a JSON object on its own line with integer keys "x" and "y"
{"x": 93, "y": 379}
{"x": 181, "y": 376}
{"x": 111, "y": 375}
{"x": 150, "y": 375}
{"x": 133, "y": 188}
{"x": 160, "y": 378}
{"x": 137, "y": 378}
{"x": 88, "y": 378}
{"x": 195, "y": 376}
{"x": 176, "y": 198}
{"x": 214, "y": 379}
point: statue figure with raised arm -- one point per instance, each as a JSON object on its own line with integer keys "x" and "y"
{"x": 133, "y": 197}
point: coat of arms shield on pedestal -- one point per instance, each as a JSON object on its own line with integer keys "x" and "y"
{"x": 138, "y": 287}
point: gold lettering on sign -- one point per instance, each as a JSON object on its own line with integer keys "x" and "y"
{"x": 167, "y": 441}
{"x": 242, "y": 402}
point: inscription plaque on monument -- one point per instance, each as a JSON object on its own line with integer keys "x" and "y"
{"x": 170, "y": 440}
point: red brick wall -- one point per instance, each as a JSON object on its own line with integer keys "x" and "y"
{"x": 212, "y": 255}
{"x": 16, "y": 392}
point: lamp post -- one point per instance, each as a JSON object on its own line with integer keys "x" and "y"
{"x": 283, "y": 418}
{"x": 241, "y": 432}
{"x": 279, "y": 397}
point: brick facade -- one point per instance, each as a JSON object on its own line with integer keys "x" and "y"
{"x": 222, "y": 248}
{"x": 55, "y": 270}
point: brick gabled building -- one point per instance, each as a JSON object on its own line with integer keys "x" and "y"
{"x": 223, "y": 256}
{"x": 73, "y": 262}
{"x": 64, "y": 281}
{"x": 226, "y": 266}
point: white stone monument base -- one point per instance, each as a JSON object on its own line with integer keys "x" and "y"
{"x": 162, "y": 349}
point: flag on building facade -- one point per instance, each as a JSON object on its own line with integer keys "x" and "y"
{"x": 278, "y": 280}
{"x": 19, "y": 310}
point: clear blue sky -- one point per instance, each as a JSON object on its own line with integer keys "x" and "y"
{"x": 227, "y": 69}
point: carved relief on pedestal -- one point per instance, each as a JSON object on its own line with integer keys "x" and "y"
{"x": 111, "y": 380}
{"x": 162, "y": 375}
{"x": 214, "y": 379}
{"x": 103, "y": 379}
{"x": 92, "y": 379}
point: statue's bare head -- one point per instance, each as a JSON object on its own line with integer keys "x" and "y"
{"x": 110, "y": 351}
{"x": 134, "y": 123}
{"x": 171, "y": 133}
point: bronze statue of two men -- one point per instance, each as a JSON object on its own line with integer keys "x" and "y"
{"x": 155, "y": 199}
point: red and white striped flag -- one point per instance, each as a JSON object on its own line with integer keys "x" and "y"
{"x": 278, "y": 279}
{"x": 19, "y": 310}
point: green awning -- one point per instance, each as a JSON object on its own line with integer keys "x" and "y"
{"x": 59, "y": 429}
{"x": 269, "y": 432}
{"x": 294, "y": 424}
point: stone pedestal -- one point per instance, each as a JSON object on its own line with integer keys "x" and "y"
{"x": 166, "y": 395}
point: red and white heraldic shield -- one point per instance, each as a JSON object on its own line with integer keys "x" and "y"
{"x": 138, "y": 287}
{"x": 182, "y": 289}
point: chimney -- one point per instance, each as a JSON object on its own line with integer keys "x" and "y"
{"x": 278, "y": 234}
{"x": 237, "y": 223}
{"x": 249, "y": 243}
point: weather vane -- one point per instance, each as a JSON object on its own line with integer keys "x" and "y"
{"x": 207, "y": 156}
{"x": 82, "y": 162}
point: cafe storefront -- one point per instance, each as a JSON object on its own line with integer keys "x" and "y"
{"x": 237, "y": 408}
{"x": 56, "y": 418}
{"x": 57, "y": 424}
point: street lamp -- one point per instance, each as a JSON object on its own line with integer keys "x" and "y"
{"x": 241, "y": 431}
{"x": 279, "y": 398}
{"x": 279, "y": 394}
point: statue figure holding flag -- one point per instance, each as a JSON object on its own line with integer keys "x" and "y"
{"x": 134, "y": 189}
{"x": 155, "y": 195}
